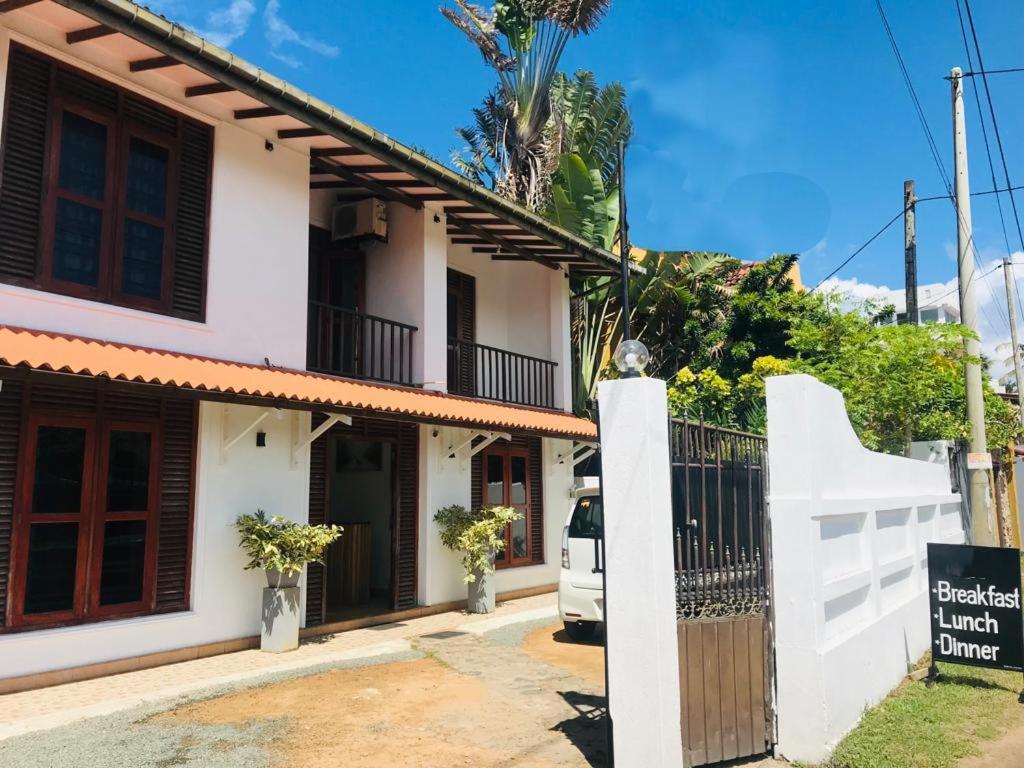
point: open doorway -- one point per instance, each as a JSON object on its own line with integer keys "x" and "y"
{"x": 371, "y": 479}
{"x": 359, "y": 572}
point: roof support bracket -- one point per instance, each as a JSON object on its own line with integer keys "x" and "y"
{"x": 488, "y": 438}
{"x": 298, "y": 446}
{"x": 228, "y": 443}
{"x": 577, "y": 455}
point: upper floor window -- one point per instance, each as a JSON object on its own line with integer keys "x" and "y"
{"x": 104, "y": 195}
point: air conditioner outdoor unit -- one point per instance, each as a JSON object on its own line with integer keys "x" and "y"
{"x": 361, "y": 219}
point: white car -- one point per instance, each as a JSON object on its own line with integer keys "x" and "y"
{"x": 580, "y": 598}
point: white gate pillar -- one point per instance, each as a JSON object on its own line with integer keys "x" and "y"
{"x": 641, "y": 640}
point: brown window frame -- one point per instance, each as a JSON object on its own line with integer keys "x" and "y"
{"x": 121, "y": 129}
{"x": 91, "y": 519}
{"x": 125, "y": 116}
{"x": 506, "y": 453}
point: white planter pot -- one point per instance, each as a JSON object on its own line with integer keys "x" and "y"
{"x": 481, "y": 594}
{"x": 282, "y": 612}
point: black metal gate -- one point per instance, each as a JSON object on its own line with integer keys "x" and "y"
{"x": 723, "y": 594}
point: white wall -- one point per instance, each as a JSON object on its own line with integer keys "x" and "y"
{"x": 521, "y": 307}
{"x": 445, "y": 481}
{"x": 406, "y": 281}
{"x": 256, "y": 287}
{"x": 642, "y": 638}
{"x": 225, "y": 598}
{"x": 849, "y": 564}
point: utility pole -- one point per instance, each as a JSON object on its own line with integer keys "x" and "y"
{"x": 910, "y": 252}
{"x": 1008, "y": 277}
{"x": 979, "y": 461}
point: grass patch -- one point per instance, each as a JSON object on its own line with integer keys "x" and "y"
{"x": 918, "y": 727}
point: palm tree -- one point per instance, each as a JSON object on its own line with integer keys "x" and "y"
{"x": 522, "y": 40}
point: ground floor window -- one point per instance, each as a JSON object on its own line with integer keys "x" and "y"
{"x": 509, "y": 475}
{"x": 101, "y": 519}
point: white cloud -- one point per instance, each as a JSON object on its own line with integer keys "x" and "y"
{"x": 227, "y": 24}
{"x": 279, "y": 34}
{"x": 854, "y": 291}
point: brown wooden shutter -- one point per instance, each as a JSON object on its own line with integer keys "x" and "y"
{"x": 465, "y": 287}
{"x": 177, "y": 495}
{"x": 86, "y": 88}
{"x": 10, "y": 428}
{"x": 317, "y": 516}
{"x": 476, "y": 475}
{"x": 408, "y": 514}
{"x": 191, "y": 227}
{"x": 33, "y": 79}
{"x": 535, "y": 470}
{"x": 26, "y": 118}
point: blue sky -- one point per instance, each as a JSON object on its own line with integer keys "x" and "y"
{"x": 761, "y": 127}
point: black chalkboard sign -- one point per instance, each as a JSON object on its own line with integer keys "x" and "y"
{"x": 975, "y": 602}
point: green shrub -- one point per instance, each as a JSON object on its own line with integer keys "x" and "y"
{"x": 278, "y": 544}
{"x": 479, "y": 535}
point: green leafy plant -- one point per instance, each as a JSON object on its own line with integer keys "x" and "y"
{"x": 510, "y": 145}
{"x": 477, "y": 535}
{"x": 580, "y": 203}
{"x": 278, "y": 544}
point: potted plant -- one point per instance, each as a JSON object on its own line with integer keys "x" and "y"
{"x": 479, "y": 536}
{"x": 281, "y": 548}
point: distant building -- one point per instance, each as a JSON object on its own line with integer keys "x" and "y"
{"x": 935, "y": 304}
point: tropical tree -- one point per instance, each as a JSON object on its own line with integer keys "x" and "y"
{"x": 680, "y": 305}
{"x": 901, "y": 382}
{"x": 676, "y": 303}
{"x": 764, "y": 306}
{"x": 587, "y": 123}
{"x": 509, "y": 144}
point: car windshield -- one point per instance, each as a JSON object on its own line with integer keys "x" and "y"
{"x": 587, "y": 521}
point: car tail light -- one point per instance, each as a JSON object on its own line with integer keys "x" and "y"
{"x": 565, "y": 547}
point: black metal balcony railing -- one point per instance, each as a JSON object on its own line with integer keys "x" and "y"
{"x": 347, "y": 343}
{"x": 476, "y": 370}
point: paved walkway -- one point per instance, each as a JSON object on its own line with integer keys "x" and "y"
{"x": 45, "y": 708}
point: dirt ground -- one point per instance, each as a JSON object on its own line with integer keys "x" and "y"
{"x": 1006, "y": 750}
{"x": 522, "y": 695}
{"x": 553, "y": 646}
{"x": 470, "y": 701}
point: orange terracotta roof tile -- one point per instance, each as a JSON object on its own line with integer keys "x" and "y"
{"x": 44, "y": 351}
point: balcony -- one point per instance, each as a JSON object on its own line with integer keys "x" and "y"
{"x": 477, "y": 370}
{"x": 360, "y": 346}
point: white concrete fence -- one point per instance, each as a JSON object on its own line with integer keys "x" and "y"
{"x": 849, "y": 529}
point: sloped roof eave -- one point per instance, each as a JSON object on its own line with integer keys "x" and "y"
{"x": 61, "y": 353}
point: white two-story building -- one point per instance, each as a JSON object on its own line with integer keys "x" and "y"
{"x": 219, "y": 294}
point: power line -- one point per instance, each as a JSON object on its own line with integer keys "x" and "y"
{"x": 973, "y": 194}
{"x": 995, "y": 124}
{"x": 932, "y": 147}
{"x": 983, "y": 72}
{"x": 936, "y": 158}
{"x": 984, "y": 134}
{"x": 853, "y": 255}
{"x": 984, "y": 130}
{"x": 953, "y": 290}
